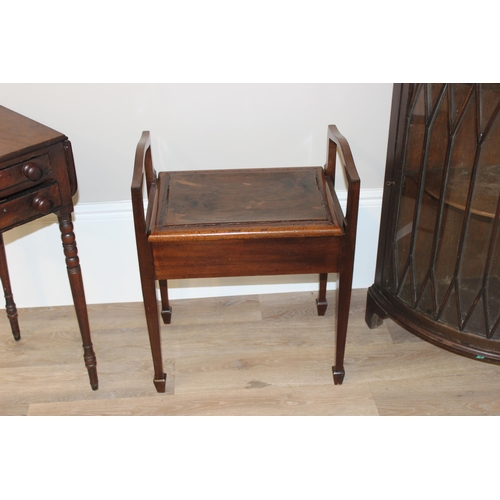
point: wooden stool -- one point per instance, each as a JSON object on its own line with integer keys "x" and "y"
{"x": 246, "y": 222}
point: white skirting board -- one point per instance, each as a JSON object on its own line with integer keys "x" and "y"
{"x": 108, "y": 257}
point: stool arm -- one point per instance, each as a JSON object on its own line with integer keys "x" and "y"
{"x": 337, "y": 143}
{"x": 143, "y": 166}
{"x": 143, "y": 163}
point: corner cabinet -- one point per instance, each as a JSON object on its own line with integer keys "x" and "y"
{"x": 438, "y": 262}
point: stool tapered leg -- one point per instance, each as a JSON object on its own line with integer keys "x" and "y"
{"x": 166, "y": 310}
{"x": 321, "y": 303}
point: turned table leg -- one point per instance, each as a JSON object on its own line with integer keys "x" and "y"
{"x": 10, "y": 305}
{"x": 77, "y": 290}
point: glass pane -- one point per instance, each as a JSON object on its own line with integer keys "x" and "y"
{"x": 447, "y": 257}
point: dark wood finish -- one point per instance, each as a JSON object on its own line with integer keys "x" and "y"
{"x": 216, "y": 258}
{"x": 438, "y": 258}
{"x": 37, "y": 177}
{"x": 10, "y": 305}
{"x": 244, "y": 222}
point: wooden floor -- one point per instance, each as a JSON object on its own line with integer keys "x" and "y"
{"x": 254, "y": 355}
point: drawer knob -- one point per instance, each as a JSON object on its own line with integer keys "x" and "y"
{"x": 43, "y": 205}
{"x": 32, "y": 171}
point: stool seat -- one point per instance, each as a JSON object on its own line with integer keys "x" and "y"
{"x": 222, "y": 223}
{"x": 244, "y": 196}
{"x": 244, "y": 222}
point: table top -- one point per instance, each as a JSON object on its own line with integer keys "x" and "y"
{"x": 20, "y": 135}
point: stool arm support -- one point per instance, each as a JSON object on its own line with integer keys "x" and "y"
{"x": 143, "y": 166}
{"x": 143, "y": 163}
{"x": 337, "y": 143}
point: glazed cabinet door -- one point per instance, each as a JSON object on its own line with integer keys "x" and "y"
{"x": 439, "y": 254}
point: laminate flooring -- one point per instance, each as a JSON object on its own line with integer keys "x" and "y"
{"x": 246, "y": 355}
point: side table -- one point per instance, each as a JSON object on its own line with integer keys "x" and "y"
{"x": 37, "y": 177}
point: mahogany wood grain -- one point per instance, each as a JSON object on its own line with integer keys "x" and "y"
{"x": 437, "y": 272}
{"x": 10, "y": 305}
{"x": 244, "y": 222}
{"x": 215, "y": 258}
{"x": 38, "y": 177}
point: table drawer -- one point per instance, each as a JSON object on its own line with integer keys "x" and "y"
{"x": 29, "y": 205}
{"x": 23, "y": 175}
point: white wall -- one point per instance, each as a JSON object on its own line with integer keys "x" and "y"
{"x": 193, "y": 126}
